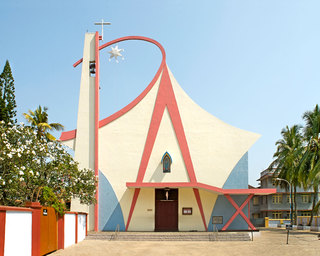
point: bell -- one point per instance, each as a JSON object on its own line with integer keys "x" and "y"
{"x": 92, "y": 68}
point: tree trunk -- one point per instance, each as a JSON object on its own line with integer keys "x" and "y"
{"x": 315, "y": 192}
{"x": 291, "y": 206}
{"x": 295, "y": 205}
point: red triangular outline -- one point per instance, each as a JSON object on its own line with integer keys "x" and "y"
{"x": 166, "y": 98}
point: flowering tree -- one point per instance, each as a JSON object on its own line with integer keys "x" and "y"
{"x": 32, "y": 169}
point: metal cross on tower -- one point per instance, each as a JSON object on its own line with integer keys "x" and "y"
{"x": 102, "y": 23}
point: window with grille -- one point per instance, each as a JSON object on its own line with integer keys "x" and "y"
{"x": 276, "y": 215}
{"x": 277, "y": 199}
{"x": 306, "y": 198}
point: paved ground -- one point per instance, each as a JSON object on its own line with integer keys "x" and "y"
{"x": 266, "y": 242}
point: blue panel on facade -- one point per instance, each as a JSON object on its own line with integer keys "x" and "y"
{"x": 110, "y": 213}
{"x": 238, "y": 178}
{"x": 224, "y": 208}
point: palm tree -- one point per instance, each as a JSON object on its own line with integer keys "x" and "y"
{"x": 287, "y": 158}
{"x": 310, "y": 164}
{"x": 39, "y": 120}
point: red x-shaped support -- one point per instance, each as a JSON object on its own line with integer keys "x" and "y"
{"x": 238, "y": 211}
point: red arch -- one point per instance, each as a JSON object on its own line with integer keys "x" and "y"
{"x": 72, "y": 134}
{"x": 127, "y": 38}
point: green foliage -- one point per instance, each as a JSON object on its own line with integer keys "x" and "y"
{"x": 28, "y": 164}
{"x": 287, "y": 159}
{"x": 39, "y": 120}
{"x": 49, "y": 198}
{"x": 297, "y": 158}
{"x": 7, "y": 97}
{"x": 288, "y": 154}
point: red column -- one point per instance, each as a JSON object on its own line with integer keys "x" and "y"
{"x": 197, "y": 195}
{"x": 96, "y": 131}
{"x": 2, "y": 231}
{"x": 133, "y": 204}
{"x": 76, "y": 219}
{"x": 36, "y": 230}
{"x": 86, "y": 224}
{"x": 249, "y": 213}
{"x": 61, "y": 232}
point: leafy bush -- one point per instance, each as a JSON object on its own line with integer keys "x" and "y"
{"x": 32, "y": 168}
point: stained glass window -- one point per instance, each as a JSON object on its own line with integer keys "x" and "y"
{"x": 166, "y": 162}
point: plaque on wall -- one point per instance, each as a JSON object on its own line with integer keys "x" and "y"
{"x": 217, "y": 219}
{"x": 186, "y": 211}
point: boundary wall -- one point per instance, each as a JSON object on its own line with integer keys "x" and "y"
{"x": 302, "y": 223}
{"x": 22, "y": 226}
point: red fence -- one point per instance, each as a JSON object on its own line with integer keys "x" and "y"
{"x": 37, "y": 230}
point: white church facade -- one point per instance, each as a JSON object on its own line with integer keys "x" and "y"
{"x": 163, "y": 163}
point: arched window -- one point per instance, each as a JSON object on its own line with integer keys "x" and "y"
{"x": 166, "y": 162}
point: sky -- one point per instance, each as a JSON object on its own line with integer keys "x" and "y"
{"x": 253, "y": 64}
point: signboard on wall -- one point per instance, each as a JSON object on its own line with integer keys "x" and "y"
{"x": 186, "y": 211}
{"x": 217, "y": 219}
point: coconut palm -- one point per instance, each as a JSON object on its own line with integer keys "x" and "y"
{"x": 310, "y": 162}
{"x": 39, "y": 120}
{"x": 287, "y": 159}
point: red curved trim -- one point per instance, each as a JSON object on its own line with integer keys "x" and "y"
{"x": 221, "y": 191}
{"x": 69, "y": 135}
{"x": 166, "y": 98}
{"x": 77, "y": 63}
{"x": 126, "y": 38}
{"x": 72, "y": 134}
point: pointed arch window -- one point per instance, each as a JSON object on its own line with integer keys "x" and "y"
{"x": 166, "y": 162}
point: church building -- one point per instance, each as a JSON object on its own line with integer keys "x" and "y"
{"x": 163, "y": 163}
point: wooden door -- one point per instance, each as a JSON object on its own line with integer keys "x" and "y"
{"x": 166, "y": 210}
{"x": 49, "y": 231}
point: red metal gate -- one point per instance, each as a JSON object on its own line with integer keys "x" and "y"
{"x": 49, "y": 230}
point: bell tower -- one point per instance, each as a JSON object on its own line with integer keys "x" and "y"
{"x": 86, "y": 142}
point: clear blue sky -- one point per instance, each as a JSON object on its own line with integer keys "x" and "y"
{"x": 253, "y": 64}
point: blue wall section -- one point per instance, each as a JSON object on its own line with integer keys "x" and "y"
{"x": 224, "y": 208}
{"x": 110, "y": 213}
{"x": 237, "y": 179}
